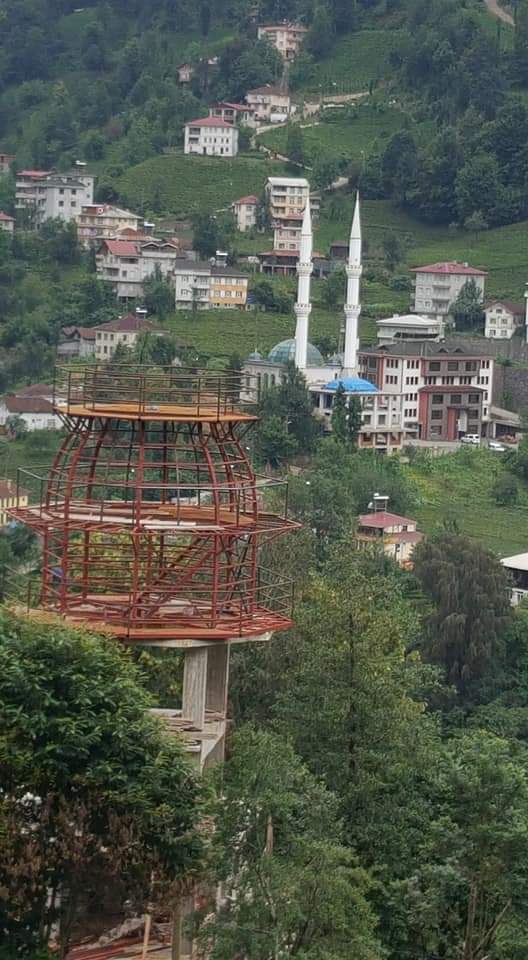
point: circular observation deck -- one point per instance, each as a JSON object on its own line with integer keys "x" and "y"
{"x": 136, "y": 392}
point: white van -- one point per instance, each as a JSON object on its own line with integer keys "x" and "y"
{"x": 471, "y": 438}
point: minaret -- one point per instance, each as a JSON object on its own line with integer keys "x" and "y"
{"x": 303, "y": 306}
{"x": 353, "y": 306}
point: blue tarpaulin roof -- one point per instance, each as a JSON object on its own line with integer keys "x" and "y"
{"x": 352, "y": 385}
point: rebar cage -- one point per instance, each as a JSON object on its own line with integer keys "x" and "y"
{"x": 152, "y": 521}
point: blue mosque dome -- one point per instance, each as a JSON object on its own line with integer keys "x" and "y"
{"x": 285, "y": 350}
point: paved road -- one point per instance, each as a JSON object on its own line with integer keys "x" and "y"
{"x": 496, "y": 10}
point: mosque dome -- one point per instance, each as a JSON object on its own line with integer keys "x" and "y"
{"x": 255, "y": 355}
{"x": 285, "y": 350}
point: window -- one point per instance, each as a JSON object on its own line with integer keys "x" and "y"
{"x": 434, "y": 365}
{"x": 437, "y": 414}
{"x": 61, "y": 191}
{"x": 471, "y": 365}
{"x": 474, "y": 398}
{"x": 452, "y": 364}
{"x": 61, "y": 203}
{"x": 473, "y": 413}
{"x": 382, "y": 419}
{"x": 372, "y": 362}
{"x": 456, "y": 398}
{"x": 438, "y": 398}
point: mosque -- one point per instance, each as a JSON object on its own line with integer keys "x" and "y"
{"x": 382, "y": 413}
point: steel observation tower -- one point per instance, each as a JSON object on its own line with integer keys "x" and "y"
{"x": 152, "y": 522}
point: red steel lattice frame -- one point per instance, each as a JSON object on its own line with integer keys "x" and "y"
{"x": 152, "y": 517}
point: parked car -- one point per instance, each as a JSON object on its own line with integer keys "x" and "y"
{"x": 497, "y": 446}
{"x": 471, "y": 438}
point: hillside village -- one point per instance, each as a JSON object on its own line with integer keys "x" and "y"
{"x": 263, "y": 480}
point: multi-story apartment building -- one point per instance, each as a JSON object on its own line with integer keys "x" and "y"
{"x": 201, "y": 286}
{"x": 381, "y": 413}
{"x": 124, "y": 331}
{"x": 447, "y": 376}
{"x": 49, "y": 195}
{"x": 286, "y": 37}
{"x": 126, "y": 264}
{"x": 438, "y": 285}
{"x": 233, "y": 113}
{"x": 503, "y": 318}
{"x": 6, "y": 161}
{"x": 269, "y": 104}
{"x": 245, "y": 212}
{"x": 286, "y": 196}
{"x": 211, "y": 137}
{"x": 104, "y": 222}
{"x": 26, "y": 187}
{"x": 287, "y": 232}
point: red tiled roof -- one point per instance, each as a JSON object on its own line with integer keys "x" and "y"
{"x": 35, "y": 174}
{"x": 35, "y": 390}
{"x": 383, "y": 519}
{"x": 4, "y": 216}
{"x": 250, "y": 199}
{"x": 210, "y": 122}
{"x": 231, "y": 106}
{"x": 28, "y": 405}
{"x": 451, "y": 267}
{"x": 131, "y": 323}
{"x": 121, "y": 248}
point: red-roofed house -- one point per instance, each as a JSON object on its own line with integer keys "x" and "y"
{"x": 124, "y": 330}
{"x": 128, "y": 263}
{"x": 397, "y": 535}
{"x": 233, "y": 113}
{"x": 33, "y": 405}
{"x": 438, "y": 285}
{"x": 245, "y": 211}
{"x": 7, "y": 223}
{"x": 211, "y": 137}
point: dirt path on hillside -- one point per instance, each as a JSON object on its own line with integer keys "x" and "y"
{"x": 496, "y": 10}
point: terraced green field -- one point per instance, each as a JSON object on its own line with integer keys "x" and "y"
{"x": 351, "y": 138}
{"x": 356, "y": 61}
{"x": 183, "y": 185}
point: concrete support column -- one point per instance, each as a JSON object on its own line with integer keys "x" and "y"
{"x": 195, "y": 686}
{"x": 217, "y": 678}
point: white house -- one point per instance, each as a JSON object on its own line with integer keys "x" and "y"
{"x": 7, "y": 223}
{"x": 62, "y": 198}
{"x": 26, "y": 187}
{"x": 201, "y": 286}
{"x": 286, "y": 37}
{"x": 270, "y": 104}
{"x": 410, "y": 327}
{"x": 124, "y": 330}
{"x": 245, "y": 211}
{"x": 128, "y": 263}
{"x": 211, "y": 137}
{"x": 502, "y": 319}
{"x": 287, "y": 232}
{"x": 33, "y": 405}
{"x": 438, "y": 285}
{"x": 104, "y": 222}
{"x": 517, "y": 567}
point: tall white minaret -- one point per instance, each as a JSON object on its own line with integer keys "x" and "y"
{"x": 303, "y": 306}
{"x": 353, "y": 306}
